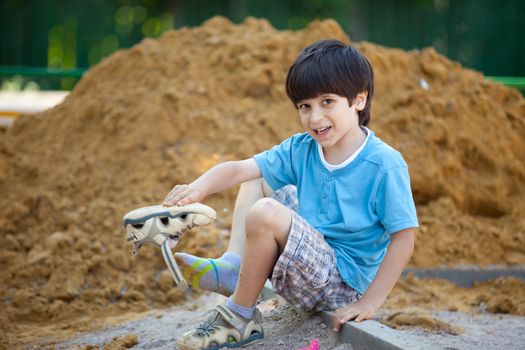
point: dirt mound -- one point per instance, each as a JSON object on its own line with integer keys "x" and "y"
{"x": 502, "y": 295}
{"x": 411, "y": 318}
{"x": 165, "y": 110}
{"x": 117, "y": 343}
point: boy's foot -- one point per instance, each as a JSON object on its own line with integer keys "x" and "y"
{"x": 215, "y": 275}
{"x": 223, "y": 329}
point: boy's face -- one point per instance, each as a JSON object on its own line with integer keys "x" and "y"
{"x": 329, "y": 118}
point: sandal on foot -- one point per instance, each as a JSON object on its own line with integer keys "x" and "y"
{"x": 223, "y": 329}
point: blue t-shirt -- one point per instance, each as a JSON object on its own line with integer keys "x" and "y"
{"x": 356, "y": 207}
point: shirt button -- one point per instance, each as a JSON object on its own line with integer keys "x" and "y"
{"x": 324, "y": 195}
{"x": 328, "y": 178}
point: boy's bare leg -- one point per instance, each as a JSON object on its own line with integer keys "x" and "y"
{"x": 267, "y": 227}
{"x": 202, "y": 272}
{"x": 249, "y": 193}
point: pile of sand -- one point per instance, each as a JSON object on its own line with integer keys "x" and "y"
{"x": 501, "y": 295}
{"x": 165, "y": 110}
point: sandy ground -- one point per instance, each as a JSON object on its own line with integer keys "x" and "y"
{"x": 285, "y": 328}
{"x": 289, "y": 328}
{"x": 487, "y": 331}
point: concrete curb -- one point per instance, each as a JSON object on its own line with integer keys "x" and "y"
{"x": 362, "y": 335}
{"x": 372, "y": 335}
{"x": 366, "y": 335}
{"x": 466, "y": 276}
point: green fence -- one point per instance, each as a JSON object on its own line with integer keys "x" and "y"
{"x": 70, "y": 35}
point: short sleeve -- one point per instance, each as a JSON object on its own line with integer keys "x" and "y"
{"x": 276, "y": 164}
{"x": 394, "y": 203}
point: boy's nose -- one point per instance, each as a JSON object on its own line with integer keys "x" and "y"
{"x": 316, "y": 115}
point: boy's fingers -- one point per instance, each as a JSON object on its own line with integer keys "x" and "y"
{"x": 171, "y": 199}
{"x": 349, "y": 316}
{"x": 178, "y": 193}
{"x": 335, "y": 322}
{"x": 364, "y": 316}
{"x": 168, "y": 198}
{"x": 186, "y": 200}
{"x": 179, "y": 200}
{"x": 338, "y": 324}
{"x": 175, "y": 191}
{"x": 338, "y": 321}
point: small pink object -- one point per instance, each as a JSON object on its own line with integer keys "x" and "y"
{"x": 314, "y": 345}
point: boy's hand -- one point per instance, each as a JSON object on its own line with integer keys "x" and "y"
{"x": 182, "y": 195}
{"x": 358, "y": 311}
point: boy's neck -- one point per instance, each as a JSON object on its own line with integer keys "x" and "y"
{"x": 338, "y": 153}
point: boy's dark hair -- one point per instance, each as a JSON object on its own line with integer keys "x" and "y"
{"x": 330, "y": 66}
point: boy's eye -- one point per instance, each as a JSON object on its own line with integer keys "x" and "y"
{"x": 328, "y": 101}
{"x": 303, "y": 106}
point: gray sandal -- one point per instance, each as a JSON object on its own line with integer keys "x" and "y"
{"x": 223, "y": 329}
{"x": 163, "y": 226}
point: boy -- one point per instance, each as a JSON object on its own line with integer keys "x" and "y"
{"x": 346, "y": 243}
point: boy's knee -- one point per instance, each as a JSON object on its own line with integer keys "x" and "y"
{"x": 262, "y": 216}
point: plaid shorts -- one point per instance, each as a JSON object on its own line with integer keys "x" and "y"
{"x": 306, "y": 273}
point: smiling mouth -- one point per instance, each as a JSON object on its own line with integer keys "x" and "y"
{"x": 322, "y": 131}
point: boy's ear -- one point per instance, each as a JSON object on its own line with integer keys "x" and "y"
{"x": 360, "y": 100}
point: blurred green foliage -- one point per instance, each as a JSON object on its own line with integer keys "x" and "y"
{"x": 481, "y": 34}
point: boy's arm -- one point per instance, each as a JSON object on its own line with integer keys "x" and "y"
{"x": 218, "y": 178}
{"x": 398, "y": 253}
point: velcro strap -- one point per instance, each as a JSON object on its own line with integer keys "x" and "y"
{"x": 231, "y": 317}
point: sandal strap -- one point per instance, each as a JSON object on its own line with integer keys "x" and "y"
{"x": 169, "y": 259}
{"x": 229, "y": 316}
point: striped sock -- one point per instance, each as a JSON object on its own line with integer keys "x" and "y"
{"x": 215, "y": 275}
